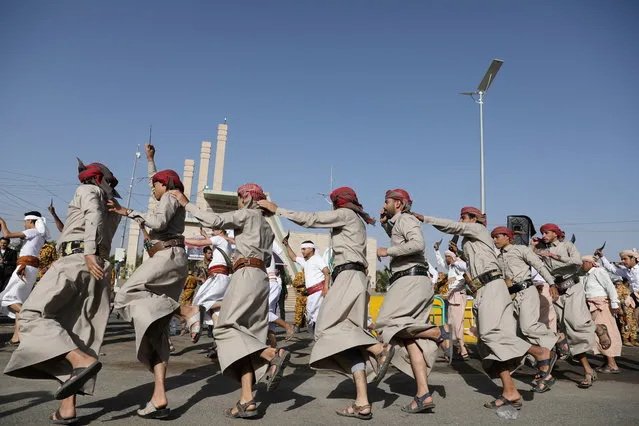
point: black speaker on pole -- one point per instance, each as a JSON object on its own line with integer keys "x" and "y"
{"x": 523, "y": 228}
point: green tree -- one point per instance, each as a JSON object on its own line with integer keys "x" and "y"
{"x": 381, "y": 280}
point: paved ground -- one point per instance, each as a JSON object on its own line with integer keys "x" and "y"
{"x": 198, "y": 394}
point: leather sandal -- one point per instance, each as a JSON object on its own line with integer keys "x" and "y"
{"x": 515, "y": 404}
{"x": 242, "y": 410}
{"x": 421, "y": 406}
{"x": 357, "y": 412}
{"x": 280, "y": 362}
{"x": 382, "y": 366}
{"x": 589, "y": 379}
{"x": 604, "y": 338}
{"x": 445, "y": 336}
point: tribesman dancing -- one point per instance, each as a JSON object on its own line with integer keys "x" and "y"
{"x": 242, "y": 325}
{"x": 573, "y": 317}
{"x": 316, "y": 278}
{"x": 403, "y": 318}
{"x": 342, "y": 342}
{"x": 150, "y": 296}
{"x": 211, "y": 293}
{"x": 498, "y": 345}
{"x": 63, "y": 321}
{"x": 516, "y": 261}
{"x": 24, "y": 276}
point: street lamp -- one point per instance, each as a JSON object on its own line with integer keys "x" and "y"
{"x": 480, "y": 92}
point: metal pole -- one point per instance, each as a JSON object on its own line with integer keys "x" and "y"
{"x": 128, "y": 200}
{"x": 481, "y": 153}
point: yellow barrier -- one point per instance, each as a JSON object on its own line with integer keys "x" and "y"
{"x": 436, "y": 314}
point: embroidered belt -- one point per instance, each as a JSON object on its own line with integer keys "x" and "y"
{"x": 415, "y": 270}
{"x": 162, "y": 245}
{"x": 314, "y": 289}
{"x": 76, "y": 247}
{"x": 218, "y": 269}
{"x": 351, "y": 266}
{"x": 474, "y": 284}
{"x": 520, "y": 286}
{"x": 251, "y": 262}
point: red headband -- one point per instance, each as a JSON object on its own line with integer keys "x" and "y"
{"x": 168, "y": 178}
{"x": 253, "y": 190}
{"x": 400, "y": 195}
{"x": 552, "y": 227}
{"x": 345, "y": 197}
{"x": 96, "y": 170}
{"x": 502, "y": 230}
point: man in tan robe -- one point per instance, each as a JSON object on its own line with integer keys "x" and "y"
{"x": 516, "y": 261}
{"x": 498, "y": 345}
{"x": 242, "y": 325}
{"x": 403, "y": 318}
{"x": 342, "y": 341}
{"x": 150, "y": 296}
{"x": 564, "y": 262}
{"x": 63, "y": 321}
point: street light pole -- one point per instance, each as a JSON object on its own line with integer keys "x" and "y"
{"x": 480, "y": 92}
{"x": 128, "y": 199}
{"x": 482, "y": 181}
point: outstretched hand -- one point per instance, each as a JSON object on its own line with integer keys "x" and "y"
{"x": 269, "y": 206}
{"x": 115, "y": 207}
{"x": 178, "y": 195}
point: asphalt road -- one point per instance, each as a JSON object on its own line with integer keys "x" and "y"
{"x": 198, "y": 394}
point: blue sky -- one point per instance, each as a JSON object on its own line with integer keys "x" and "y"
{"x": 367, "y": 87}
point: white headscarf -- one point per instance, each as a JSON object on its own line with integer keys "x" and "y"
{"x": 40, "y": 225}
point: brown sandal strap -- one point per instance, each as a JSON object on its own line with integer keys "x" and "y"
{"x": 243, "y": 407}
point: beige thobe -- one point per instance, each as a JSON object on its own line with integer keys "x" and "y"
{"x": 343, "y": 316}
{"x": 516, "y": 261}
{"x": 406, "y": 307}
{"x": 493, "y": 306}
{"x": 571, "y": 307}
{"x": 242, "y": 325}
{"x": 69, "y": 309}
{"x": 151, "y": 295}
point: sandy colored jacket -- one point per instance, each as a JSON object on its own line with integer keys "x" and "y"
{"x": 477, "y": 243}
{"x": 516, "y": 261}
{"x": 407, "y": 242}
{"x": 348, "y": 231}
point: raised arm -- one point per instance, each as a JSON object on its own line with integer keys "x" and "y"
{"x": 325, "y": 219}
{"x": 7, "y": 234}
{"x": 197, "y": 242}
{"x": 440, "y": 261}
{"x": 470, "y": 230}
{"x": 150, "y": 162}
{"x": 58, "y": 223}
{"x": 622, "y": 272}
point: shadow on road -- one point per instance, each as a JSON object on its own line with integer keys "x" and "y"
{"x": 29, "y": 399}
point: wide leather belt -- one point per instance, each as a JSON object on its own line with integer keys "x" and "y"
{"x": 414, "y": 271}
{"x": 351, "y": 266}
{"x": 218, "y": 269}
{"x": 564, "y": 282}
{"x": 251, "y": 262}
{"x": 162, "y": 245}
{"x": 520, "y": 286}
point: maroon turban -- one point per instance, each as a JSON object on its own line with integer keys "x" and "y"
{"x": 345, "y": 197}
{"x": 552, "y": 227}
{"x": 252, "y": 190}
{"x": 502, "y": 230}
{"x": 481, "y": 217}
{"x": 100, "y": 175}
{"x": 168, "y": 178}
{"x": 400, "y": 195}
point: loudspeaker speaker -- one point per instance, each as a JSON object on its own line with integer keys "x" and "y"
{"x": 523, "y": 228}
